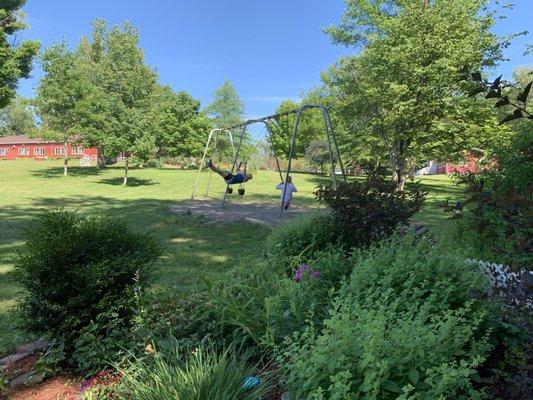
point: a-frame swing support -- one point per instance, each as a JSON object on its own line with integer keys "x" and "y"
{"x": 213, "y": 134}
{"x": 333, "y": 148}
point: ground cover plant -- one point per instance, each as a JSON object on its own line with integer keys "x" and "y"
{"x": 405, "y": 323}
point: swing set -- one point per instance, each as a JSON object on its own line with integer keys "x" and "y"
{"x": 213, "y": 136}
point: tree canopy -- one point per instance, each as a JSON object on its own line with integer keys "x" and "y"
{"x": 227, "y": 107}
{"x": 15, "y": 60}
{"x": 17, "y": 118}
{"x": 401, "y": 95}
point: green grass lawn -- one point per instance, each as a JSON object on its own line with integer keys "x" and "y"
{"x": 193, "y": 247}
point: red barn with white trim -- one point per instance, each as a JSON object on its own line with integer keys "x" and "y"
{"x": 22, "y": 146}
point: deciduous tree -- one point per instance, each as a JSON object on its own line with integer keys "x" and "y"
{"x": 17, "y": 118}
{"x": 15, "y": 60}
{"x": 398, "y": 93}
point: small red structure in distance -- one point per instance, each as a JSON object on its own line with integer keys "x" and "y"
{"x": 22, "y": 146}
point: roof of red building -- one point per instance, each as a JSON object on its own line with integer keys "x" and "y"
{"x": 21, "y": 139}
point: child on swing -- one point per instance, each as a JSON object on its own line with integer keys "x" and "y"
{"x": 229, "y": 178}
{"x": 288, "y": 192}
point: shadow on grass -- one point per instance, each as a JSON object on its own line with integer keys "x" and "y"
{"x": 132, "y": 182}
{"x": 76, "y": 171}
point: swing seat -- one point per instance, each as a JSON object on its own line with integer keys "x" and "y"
{"x": 229, "y": 190}
{"x": 241, "y": 191}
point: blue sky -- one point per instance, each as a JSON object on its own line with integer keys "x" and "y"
{"x": 270, "y": 49}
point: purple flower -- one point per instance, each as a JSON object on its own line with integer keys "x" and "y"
{"x": 302, "y": 269}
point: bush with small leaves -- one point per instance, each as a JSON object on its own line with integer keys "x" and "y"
{"x": 81, "y": 272}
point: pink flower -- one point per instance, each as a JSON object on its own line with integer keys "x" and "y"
{"x": 302, "y": 269}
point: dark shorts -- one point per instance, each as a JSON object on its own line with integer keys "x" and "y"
{"x": 228, "y": 177}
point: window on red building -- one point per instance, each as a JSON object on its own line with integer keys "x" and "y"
{"x": 3, "y": 152}
{"x": 59, "y": 151}
{"x": 24, "y": 151}
{"x": 39, "y": 151}
{"x": 77, "y": 151}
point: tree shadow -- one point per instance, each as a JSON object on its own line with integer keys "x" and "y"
{"x": 76, "y": 171}
{"x": 133, "y": 182}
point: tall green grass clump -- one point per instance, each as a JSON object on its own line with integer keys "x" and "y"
{"x": 203, "y": 375}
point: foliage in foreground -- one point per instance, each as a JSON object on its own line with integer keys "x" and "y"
{"x": 204, "y": 374}
{"x": 405, "y": 324}
{"x": 497, "y": 221}
{"x": 82, "y": 276}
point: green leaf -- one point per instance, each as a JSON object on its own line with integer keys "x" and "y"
{"x": 422, "y": 386}
{"x": 511, "y": 117}
{"x": 475, "y": 91}
{"x": 476, "y": 76}
{"x": 502, "y": 102}
{"x": 475, "y": 377}
{"x": 391, "y": 386}
{"x": 414, "y": 376}
{"x": 496, "y": 84}
{"x": 523, "y": 96}
{"x": 492, "y": 95}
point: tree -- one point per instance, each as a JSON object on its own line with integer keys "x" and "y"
{"x": 404, "y": 86}
{"x": 317, "y": 154}
{"x": 177, "y": 123}
{"x": 15, "y": 61}
{"x": 17, "y": 118}
{"x": 227, "y": 108}
{"x": 115, "y": 65}
{"x": 64, "y": 97}
{"x": 311, "y": 128}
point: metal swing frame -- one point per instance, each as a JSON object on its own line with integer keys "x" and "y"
{"x": 214, "y": 133}
{"x": 330, "y": 136}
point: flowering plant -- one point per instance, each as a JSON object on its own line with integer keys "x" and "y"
{"x": 302, "y": 270}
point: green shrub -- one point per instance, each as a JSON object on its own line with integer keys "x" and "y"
{"x": 302, "y": 237}
{"x": 81, "y": 271}
{"x": 406, "y": 325}
{"x": 203, "y": 375}
{"x": 497, "y": 220}
{"x": 369, "y": 210}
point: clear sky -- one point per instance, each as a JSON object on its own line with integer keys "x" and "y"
{"x": 270, "y": 49}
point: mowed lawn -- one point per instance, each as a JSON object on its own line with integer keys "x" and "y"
{"x": 194, "y": 248}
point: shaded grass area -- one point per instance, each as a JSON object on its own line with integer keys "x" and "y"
{"x": 194, "y": 247}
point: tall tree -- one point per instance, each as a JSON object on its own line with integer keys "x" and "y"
{"x": 405, "y": 83}
{"x": 63, "y": 98}
{"x": 17, "y": 118}
{"x": 15, "y": 61}
{"x": 311, "y": 128}
{"x": 227, "y": 107}
{"x": 177, "y": 123}
{"x": 115, "y": 65}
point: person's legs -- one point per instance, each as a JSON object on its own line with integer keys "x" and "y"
{"x": 219, "y": 171}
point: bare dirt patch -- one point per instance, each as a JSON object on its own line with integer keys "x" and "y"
{"x": 262, "y": 213}
{"x": 57, "y": 388}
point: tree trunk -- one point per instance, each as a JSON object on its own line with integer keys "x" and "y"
{"x": 398, "y": 166}
{"x": 65, "y": 160}
{"x": 126, "y": 172}
{"x": 100, "y": 160}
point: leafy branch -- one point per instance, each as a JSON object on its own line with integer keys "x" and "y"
{"x": 494, "y": 90}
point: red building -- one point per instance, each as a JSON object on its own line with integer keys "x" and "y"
{"x": 22, "y": 146}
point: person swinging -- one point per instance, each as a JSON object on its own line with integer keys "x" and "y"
{"x": 229, "y": 178}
